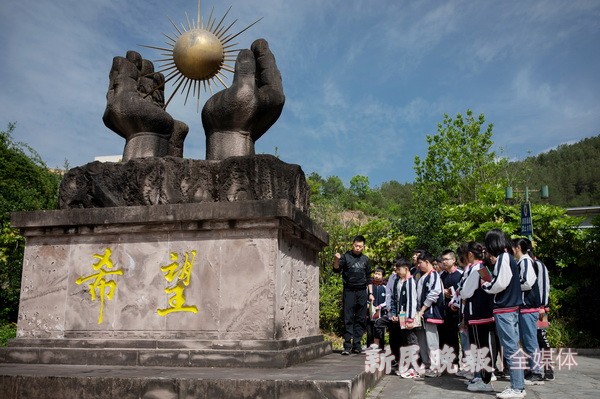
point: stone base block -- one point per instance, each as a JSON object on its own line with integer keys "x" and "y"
{"x": 165, "y": 353}
{"x": 333, "y": 376}
{"x": 215, "y": 284}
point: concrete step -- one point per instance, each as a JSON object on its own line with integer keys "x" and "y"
{"x": 168, "y": 357}
{"x": 332, "y": 376}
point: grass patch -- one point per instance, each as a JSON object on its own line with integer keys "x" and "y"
{"x": 8, "y": 331}
{"x": 337, "y": 343}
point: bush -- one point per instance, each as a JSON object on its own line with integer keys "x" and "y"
{"x": 26, "y": 184}
{"x": 330, "y": 303}
{"x": 8, "y": 331}
{"x": 564, "y": 334}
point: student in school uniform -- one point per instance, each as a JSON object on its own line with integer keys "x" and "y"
{"x": 544, "y": 285}
{"x": 385, "y": 321}
{"x": 506, "y": 290}
{"x": 376, "y": 309}
{"x": 451, "y": 276}
{"x": 430, "y": 302}
{"x": 456, "y": 304}
{"x": 530, "y": 310}
{"x": 405, "y": 309}
{"x": 478, "y": 314}
{"x": 415, "y": 271}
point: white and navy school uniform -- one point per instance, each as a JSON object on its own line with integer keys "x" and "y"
{"x": 430, "y": 293}
{"x": 478, "y": 303}
{"x": 530, "y": 290}
{"x": 479, "y": 314}
{"x": 406, "y": 294}
{"x": 505, "y": 285}
{"x": 543, "y": 280}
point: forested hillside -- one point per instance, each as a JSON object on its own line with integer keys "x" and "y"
{"x": 571, "y": 171}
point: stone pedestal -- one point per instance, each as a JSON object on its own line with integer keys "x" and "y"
{"x": 332, "y": 377}
{"x": 222, "y": 284}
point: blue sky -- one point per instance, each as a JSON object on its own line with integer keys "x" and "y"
{"x": 364, "y": 80}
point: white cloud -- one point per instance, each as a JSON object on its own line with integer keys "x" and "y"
{"x": 528, "y": 91}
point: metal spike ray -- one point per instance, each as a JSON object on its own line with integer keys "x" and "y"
{"x": 187, "y": 84}
{"x": 174, "y": 91}
{"x": 242, "y": 31}
{"x": 209, "y": 24}
{"x": 221, "y": 33}
{"x": 221, "y": 80}
{"x": 176, "y": 28}
{"x": 220, "y": 22}
{"x": 191, "y": 64}
{"x": 200, "y": 25}
{"x": 190, "y": 26}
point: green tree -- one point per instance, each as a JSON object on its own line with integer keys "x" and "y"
{"x": 459, "y": 168}
{"x": 333, "y": 188}
{"x": 26, "y": 184}
{"x": 359, "y": 185}
{"x": 460, "y": 165}
{"x": 315, "y": 183}
{"x": 384, "y": 242}
{"x": 397, "y": 198}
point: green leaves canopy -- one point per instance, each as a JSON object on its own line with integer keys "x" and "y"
{"x": 25, "y": 184}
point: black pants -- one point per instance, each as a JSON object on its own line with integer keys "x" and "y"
{"x": 495, "y": 352}
{"x": 397, "y": 337}
{"x": 408, "y": 337}
{"x": 448, "y": 332}
{"x": 355, "y": 317}
{"x": 372, "y": 333}
{"x": 544, "y": 344}
{"x": 479, "y": 335}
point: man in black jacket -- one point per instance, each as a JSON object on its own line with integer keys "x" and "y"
{"x": 356, "y": 276}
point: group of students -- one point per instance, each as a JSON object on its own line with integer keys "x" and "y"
{"x": 492, "y": 305}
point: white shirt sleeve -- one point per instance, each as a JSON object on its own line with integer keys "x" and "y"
{"x": 527, "y": 273}
{"x": 502, "y": 275}
{"x": 388, "y": 291}
{"x": 471, "y": 283}
{"x": 435, "y": 289}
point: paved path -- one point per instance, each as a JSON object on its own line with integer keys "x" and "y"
{"x": 582, "y": 381}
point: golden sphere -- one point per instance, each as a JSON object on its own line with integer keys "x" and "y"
{"x": 198, "y": 54}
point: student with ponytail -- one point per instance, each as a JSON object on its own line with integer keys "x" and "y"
{"x": 479, "y": 315}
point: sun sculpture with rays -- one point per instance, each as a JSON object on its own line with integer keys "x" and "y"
{"x": 197, "y": 55}
{"x": 233, "y": 118}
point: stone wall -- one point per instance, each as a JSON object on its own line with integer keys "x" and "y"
{"x": 254, "y": 275}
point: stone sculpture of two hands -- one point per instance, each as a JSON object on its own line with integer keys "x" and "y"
{"x": 233, "y": 118}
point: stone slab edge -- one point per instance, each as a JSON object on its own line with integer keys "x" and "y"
{"x": 164, "y": 343}
{"x": 331, "y": 376}
{"x": 98, "y": 386}
{"x": 165, "y": 357}
{"x": 166, "y": 214}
